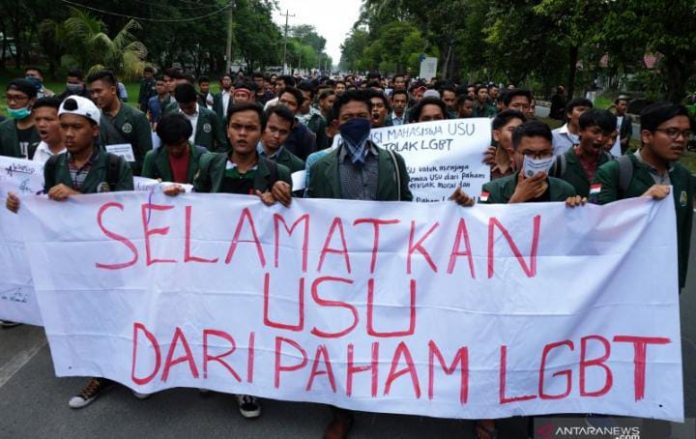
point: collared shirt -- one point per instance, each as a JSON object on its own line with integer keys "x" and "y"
{"x": 358, "y": 182}
{"x": 396, "y": 120}
{"x": 78, "y": 175}
{"x": 262, "y": 151}
{"x": 563, "y": 140}
{"x": 657, "y": 177}
{"x": 43, "y": 153}
{"x": 193, "y": 118}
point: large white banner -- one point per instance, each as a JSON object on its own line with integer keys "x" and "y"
{"x": 430, "y": 309}
{"x": 439, "y": 155}
{"x": 17, "y": 298}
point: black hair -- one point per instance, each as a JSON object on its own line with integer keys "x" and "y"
{"x": 103, "y": 75}
{"x": 326, "y": 93}
{"x": 374, "y": 84}
{"x": 50, "y": 101}
{"x": 33, "y": 68}
{"x": 174, "y": 73}
{"x": 400, "y": 92}
{"x": 379, "y": 94}
{"x": 462, "y": 98}
{"x": 24, "y": 86}
{"x": 307, "y": 86}
{"x": 148, "y": 69}
{"x": 480, "y": 87}
{"x": 504, "y": 117}
{"x": 76, "y": 73}
{"x": 374, "y": 75}
{"x": 203, "y": 79}
{"x": 246, "y": 106}
{"x": 340, "y": 81}
{"x": 185, "y": 93}
{"x": 282, "y": 112}
{"x": 288, "y": 80}
{"x": 445, "y": 88}
{"x": 531, "y": 128}
{"x": 430, "y": 100}
{"x": 577, "y": 102}
{"x": 188, "y": 78}
{"x": 295, "y": 92}
{"x": 251, "y": 86}
{"x": 159, "y": 77}
{"x": 257, "y": 75}
{"x": 507, "y": 95}
{"x": 621, "y": 98}
{"x": 600, "y": 118}
{"x": 656, "y": 114}
{"x": 350, "y": 96}
{"x": 173, "y": 128}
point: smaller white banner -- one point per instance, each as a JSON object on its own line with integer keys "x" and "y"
{"x": 124, "y": 150}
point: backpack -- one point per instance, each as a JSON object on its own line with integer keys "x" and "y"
{"x": 112, "y": 170}
{"x": 625, "y": 174}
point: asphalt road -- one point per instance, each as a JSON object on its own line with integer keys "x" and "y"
{"x": 33, "y": 402}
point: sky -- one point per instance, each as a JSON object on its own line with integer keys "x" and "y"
{"x": 332, "y": 19}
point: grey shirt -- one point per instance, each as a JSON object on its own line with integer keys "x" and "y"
{"x": 358, "y": 182}
{"x": 654, "y": 173}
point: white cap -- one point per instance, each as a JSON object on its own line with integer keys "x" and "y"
{"x": 81, "y": 106}
{"x": 431, "y": 93}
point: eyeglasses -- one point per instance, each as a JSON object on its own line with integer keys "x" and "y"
{"x": 16, "y": 98}
{"x": 675, "y": 132}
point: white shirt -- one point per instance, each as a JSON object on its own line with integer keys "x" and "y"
{"x": 43, "y": 153}
{"x": 225, "y": 101}
{"x": 563, "y": 140}
{"x": 194, "y": 122}
{"x": 270, "y": 103}
{"x": 616, "y": 149}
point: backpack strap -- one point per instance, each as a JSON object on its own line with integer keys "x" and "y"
{"x": 50, "y": 171}
{"x": 112, "y": 171}
{"x": 559, "y": 166}
{"x": 397, "y": 174}
{"x": 625, "y": 173}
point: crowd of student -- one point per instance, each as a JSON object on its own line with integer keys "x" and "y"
{"x": 252, "y": 135}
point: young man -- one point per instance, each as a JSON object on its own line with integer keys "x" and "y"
{"x": 244, "y": 92}
{"x": 262, "y": 94}
{"x": 579, "y": 164}
{"x": 449, "y": 97}
{"x": 36, "y": 77}
{"x": 301, "y": 141}
{"x": 18, "y": 133}
{"x": 223, "y": 100}
{"x": 48, "y": 125}
{"x": 482, "y": 106}
{"x": 380, "y": 109}
{"x": 664, "y": 133}
{"x": 429, "y": 108}
{"x": 504, "y": 124}
{"x": 399, "y": 101}
{"x": 278, "y": 124}
{"x": 207, "y": 130}
{"x": 120, "y": 124}
{"x": 147, "y": 88}
{"x": 310, "y": 116}
{"x": 205, "y": 98}
{"x": 399, "y": 82}
{"x": 74, "y": 85}
{"x": 465, "y": 106}
{"x": 177, "y": 159}
{"x": 158, "y": 102}
{"x": 533, "y": 151}
{"x": 84, "y": 169}
{"x": 327, "y": 97}
{"x": 517, "y": 99}
{"x": 624, "y": 123}
{"x": 357, "y": 170}
{"x": 566, "y": 136}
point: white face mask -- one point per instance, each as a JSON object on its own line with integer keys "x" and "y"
{"x": 532, "y": 167}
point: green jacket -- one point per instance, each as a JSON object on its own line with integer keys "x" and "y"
{"x": 574, "y": 173}
{"x": 132, "y": 127}
{"x": 212, "y": 170}
{"x": 289, "y": 160}
{"x": 97, "y": 175}
{"x": 608, "y": 175}
{"x": 156, "y": 163}
{"x": 210, "y": 132}
{"x": 485, "y": 110}
{"x": 9, "y": 142}
{"x": 325, "y": 181}
{"x": 500, "y": 191}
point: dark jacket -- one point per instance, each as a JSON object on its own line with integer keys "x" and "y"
{"x": 325, "y": 181}
{"x": 212, "y": 170}
{"x": 289, "y": 160}
{"x": 95, "y": 178}
{"x": 157, "y": 165}
{"x": 574, "y": 173}
{"x": 301, "y": 141}
{"x": 500, "y": 191}
{"x": 131, "y": 126}
{"x": 608, "y": 175}
{"x": 9, "y": 142}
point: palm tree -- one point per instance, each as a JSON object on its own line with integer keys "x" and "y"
{"x": 83, "y": 40}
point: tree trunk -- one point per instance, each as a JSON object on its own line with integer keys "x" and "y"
{"x": 572, "y": 70}
{"x": 677, "y": 75}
